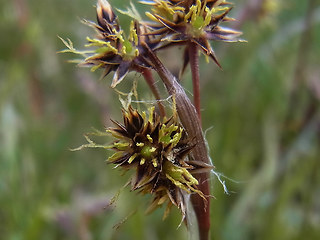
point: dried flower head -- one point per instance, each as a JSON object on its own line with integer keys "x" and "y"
{"x": 112, "y": 49}
{"x": 180, "y": 22}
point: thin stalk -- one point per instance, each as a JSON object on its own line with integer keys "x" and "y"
{"x": 194, "y": 65}
{"x": 147, "y": 74}
{"x": 190, "y": 121}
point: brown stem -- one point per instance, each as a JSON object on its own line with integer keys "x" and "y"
{"x": 190, "y": 121}
{"x": 147, "y": 74}
{"x": 194, "y": 65}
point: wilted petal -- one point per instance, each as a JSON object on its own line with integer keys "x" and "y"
{"x": 155, "y": 31}
{"x": 224, "y": 38}
{"x": 199, "y": 166}
{"x": 121, "y": 128}
{"x": 175, "y": 37}
{"x": 170, "y": 25}
{"x": 229, "y": 19}
{"x": 226, "y": 31}
{"x": 155, "y": 133}
{"x": 136, "y": 119}
{"x": 167, "y": 211}
{"x": 104, "y": 12}
{"x": 147, "y": 2}
{"x": 121, "y": 72}
{"x": 214, "y": 58}
{"x": 216, "y": 19}
{"x": 106, "y": 71}
{"x": 206, "y": 47}
{"x": 223, "y": 34}
{"x": 216, "y": 3}
{"x": 143, "y": 178}
{"x": 112, "y": 59}
{"x": 183, "y": 152}
{"x": 182, "y": 205}
{"x": 119, "y": 158}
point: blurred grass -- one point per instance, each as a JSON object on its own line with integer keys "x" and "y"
{"x": 264, "y": 109}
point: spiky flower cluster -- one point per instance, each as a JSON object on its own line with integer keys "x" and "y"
{"x": 112, "y": 49}
{"x": 157, "y": 151}
{"x": 173, "y": 22}
{"x": 180, "y": 22}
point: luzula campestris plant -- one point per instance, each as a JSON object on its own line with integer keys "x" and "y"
{"x": 168, "y": 154}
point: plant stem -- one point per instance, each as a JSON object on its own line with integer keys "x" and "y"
{"x": 194, "y": 65}
{"x": 147, "y": 74}
{"x": 190, "y": 121}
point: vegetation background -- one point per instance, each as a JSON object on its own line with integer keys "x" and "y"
{"x": 262, "y": 114}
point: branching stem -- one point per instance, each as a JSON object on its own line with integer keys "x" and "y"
{"x": 194, "y": 65}
{"x": 190, "y": 121}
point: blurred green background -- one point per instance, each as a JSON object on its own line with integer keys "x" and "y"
{"x": 262, "y": 114}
